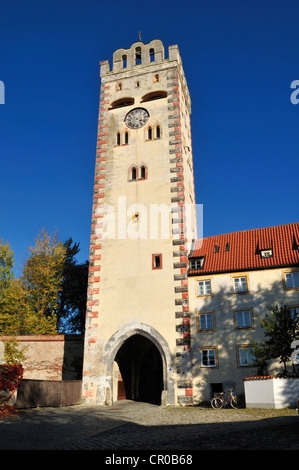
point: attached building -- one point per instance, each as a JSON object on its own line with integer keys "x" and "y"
{"x": 233, "y": 278}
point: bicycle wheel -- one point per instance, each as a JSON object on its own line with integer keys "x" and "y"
{"x": 235, "y": 402}
{"x": 216, "y": 403}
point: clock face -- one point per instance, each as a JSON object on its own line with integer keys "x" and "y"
{"x": 137, "y": 118}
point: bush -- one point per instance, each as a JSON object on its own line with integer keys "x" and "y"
{"x": 10, "y": 378}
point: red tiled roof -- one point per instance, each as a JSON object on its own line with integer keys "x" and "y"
{"x": 240, "y": 251}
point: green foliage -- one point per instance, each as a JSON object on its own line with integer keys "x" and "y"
{"x": 50, "y": 296}
{"x": 281, "y": 328}
{"x": 73, "y": 296}
{"x": 6, "y": 265}
{"x": 13, "y": 353}
{"x": 42, "y": 278}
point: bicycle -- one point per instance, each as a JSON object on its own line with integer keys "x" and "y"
{"x": 219, "y": 402}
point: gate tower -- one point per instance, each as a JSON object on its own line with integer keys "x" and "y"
{"x": 137, "y": 339}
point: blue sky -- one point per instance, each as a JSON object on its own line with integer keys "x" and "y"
{"x": 239, "y": 59}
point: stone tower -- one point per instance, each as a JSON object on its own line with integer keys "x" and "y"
{"x": 137, "y": 340}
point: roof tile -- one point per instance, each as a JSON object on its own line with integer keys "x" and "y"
{"x": 244, "y": 250}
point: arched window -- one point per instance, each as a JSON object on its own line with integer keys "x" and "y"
{"x": 126, "y": 138}
{"x": 158, "y": 131}
{"x": 154, "y": 95}
{"x": 133, "y": 173}
{"x": 124, "y": 58}
{"x": 143, "y": 172}
{"x": 118, "y": 138}
{"x": 122, "y": 102}
{"x": 149, "y": 133}
{"x": 152, "y": 55}
{"x": 138, "y": 56}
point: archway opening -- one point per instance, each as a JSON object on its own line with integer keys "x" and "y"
{"x": 141, "y": 369}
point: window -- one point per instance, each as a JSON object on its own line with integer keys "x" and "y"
{"x": 133, "y": 173}
{"x": 122, "y": 102}
{"x": 246, "y": 356}
{"x": 266, "y": 253}
{"x": 158, "y": 131}
{"x": 204, "y": 287}
{"x": 154, "y": 95}
{"x": 135, "y": 217}
{"x": 243, "y": 319}
{"x": 157, "y": 261}
{"x": 149, "y": 133}
{"x": 292, "y": 280}
{"x": 240, "y": 285}
{"x": 118, "y": 138}
{"x": 126, "y": 138}
{"x": 124, "y": 59}
{"x": 143, "y": 172}
{"x": 208, "y": 357}
{"x": 205, "y": 321}
{"x": 152, "y": 55}
{"x": 294, "y": 313}
{"x": 196, "y": 263}
{"x": 138, "y": 56}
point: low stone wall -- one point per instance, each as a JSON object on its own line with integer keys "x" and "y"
{"x": 271, "y": 392}
{"x": 51, "y": 357}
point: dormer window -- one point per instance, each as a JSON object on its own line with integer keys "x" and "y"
{"x": 266, "y": 253}
{"x": 197, "y": 263}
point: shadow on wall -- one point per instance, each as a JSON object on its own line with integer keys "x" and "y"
{"x": 72, "y": 366}
{"x": 226, "y": 338}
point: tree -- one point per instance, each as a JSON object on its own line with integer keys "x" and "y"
{"x": 73, "y": 296}
{"x": 12, "y": 295}
{"x": 281, "y": 328}
{"x": 6, "y": 265}
{"x": 42, "y": 278}
{"x": 50, "y": 296}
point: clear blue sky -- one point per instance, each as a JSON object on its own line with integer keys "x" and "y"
{"x": 239, "y": 59}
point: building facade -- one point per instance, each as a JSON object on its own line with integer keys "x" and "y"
{"x": 168, "y": 320}
{"x": 138, "y": 321}
{"x": 233, "y": 279}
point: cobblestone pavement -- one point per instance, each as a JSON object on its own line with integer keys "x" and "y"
{"x": 141, "y": 426}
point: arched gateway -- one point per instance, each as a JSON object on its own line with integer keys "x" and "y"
{"x": 138, "y": 366}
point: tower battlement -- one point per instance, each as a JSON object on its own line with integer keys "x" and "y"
{"x": 139, "y": 57}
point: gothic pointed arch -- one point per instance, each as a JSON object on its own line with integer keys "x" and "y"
{"x": 117, "y": 340}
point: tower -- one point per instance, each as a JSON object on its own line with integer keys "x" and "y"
{"x": 137, "y": 339}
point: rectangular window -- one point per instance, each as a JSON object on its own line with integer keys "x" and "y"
{"x": 205, "y": 321}
{"x": 204, "y": 287}
{"x": 246, "y": 356}
{"x": 266, "y": 253}
{"x": 292, "y": 280}
{"x": 157, "y": 261}
{"x": 240, "y": 284}
{"x": 208, "y": 357}
{"x": 243, "y": 319}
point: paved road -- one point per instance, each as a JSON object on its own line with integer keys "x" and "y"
{"x": 135, "y": 426}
